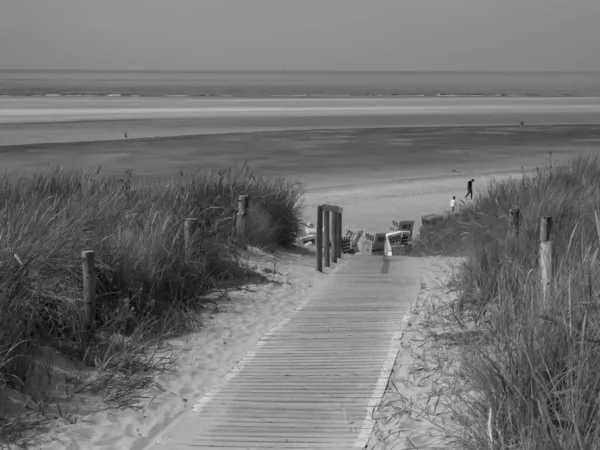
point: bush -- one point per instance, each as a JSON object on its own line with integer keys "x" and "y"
{"x": 145, "y": 286}
{"x": 535, "y": 362}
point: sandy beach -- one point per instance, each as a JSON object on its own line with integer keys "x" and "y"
{"x": 355, "y": 158}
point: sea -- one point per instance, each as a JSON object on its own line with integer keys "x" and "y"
{"x": 297, "y": 84}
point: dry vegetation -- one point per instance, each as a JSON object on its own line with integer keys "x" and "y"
{"x": 533, "y": 363}
{"x": 146, "y": 290}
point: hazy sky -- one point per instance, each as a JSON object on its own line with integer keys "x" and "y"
{"x": 301, "y": 34}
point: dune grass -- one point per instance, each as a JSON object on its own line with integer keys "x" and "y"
{"x": 146, "y": 289}
{"x": 533, "y": 362}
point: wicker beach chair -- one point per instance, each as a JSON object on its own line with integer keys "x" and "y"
{"x": 368, "y": 241}
{"x": 403, "y": 225}
{"x": 397, "y": 242}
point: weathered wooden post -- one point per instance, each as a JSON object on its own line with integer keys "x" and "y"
{"x": 89, "y": 290}
{"x": 339, "y": 235}
{"x": 319, "y": 238}
{"x": 515, "y": 221}
{"x": 545, "y": 255}
{"x": 327, "y": 236}
{"x": 334, "y": 240}
{"x": 187, "y": 238}
{"x": 240, "y": 221}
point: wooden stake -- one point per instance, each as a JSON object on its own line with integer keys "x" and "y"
{"x": 334, "y": 241}
{"x": 339, "y": 236}
{"x": 319, "y": 238}
{"x": 327, "y": 240}
{"x": 240, "y": 223}
{"x": 89, "y": 290}
{"x": 515, "y": 219}
{"x": 545, "y": 228}
{"x": 545, "y": 255}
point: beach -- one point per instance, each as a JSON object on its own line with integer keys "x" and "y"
{"x": 59, "y": 119}
{"x": 377, "y": 158}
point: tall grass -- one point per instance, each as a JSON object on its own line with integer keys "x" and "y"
{"x": 145, "y": 286}
{"x": 535, "y": 363}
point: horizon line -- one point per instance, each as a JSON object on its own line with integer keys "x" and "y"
{"x": 340, "y": 71}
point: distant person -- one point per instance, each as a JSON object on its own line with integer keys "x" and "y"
{"x": 522, "y": 123}
{"x": 470, "y": 188}
{"x": 453, "y": 203}
{"x": 126, "y": 135}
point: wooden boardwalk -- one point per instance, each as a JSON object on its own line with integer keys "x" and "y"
{"x": 312, "y": 382}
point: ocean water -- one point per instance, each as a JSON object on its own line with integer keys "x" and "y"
{"x": 297, "y": 84}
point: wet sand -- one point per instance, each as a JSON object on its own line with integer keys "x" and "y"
{"x": 60, "y": 119}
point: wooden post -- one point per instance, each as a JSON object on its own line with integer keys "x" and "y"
{"x": 515, "y": 219}
{"x": 339, "y": 235}
{"x": 89, "y": 290}
{"x": 320, "y": 238}
{"x": 334, "y": 240}
{"x": 545, "y": 228}
{"x": 240, "y": 222}
{"x": 327, "y": 240}
{"x": 545, "y": 255}
{"x": 187, "y": 238}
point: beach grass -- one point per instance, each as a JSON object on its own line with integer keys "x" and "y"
{"x": 533, "y": 362}
{"x": 147, "y": 289}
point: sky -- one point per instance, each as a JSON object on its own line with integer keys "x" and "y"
{"x": 487, "y": 35}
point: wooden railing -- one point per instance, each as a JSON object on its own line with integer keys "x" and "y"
{"x": 329, "y": 231}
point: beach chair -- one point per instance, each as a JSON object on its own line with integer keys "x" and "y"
{"x": 379, "y": 244}
{"x": 346, "y": 245}
{"x": 403, "y": 225}
{"x": 397, "y": 242}
{"x": 356, "y": 239}
{"x": 368, "y": 242}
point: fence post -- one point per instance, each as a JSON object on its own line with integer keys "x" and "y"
{"x": 187, "y": 238}
{"x": 339, "y": 236}
{"x": 515, "y": 220}
{"x": 89, "y": 290}
{"x": 545, "y": 255}
{"x": 319, "y": 238}
{"x": 240, "y": 222}
{"x": 327, "y": 238}
{"x": 334, "y": 240}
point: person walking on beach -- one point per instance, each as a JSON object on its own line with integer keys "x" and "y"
{"x": 453, "y": 203}
{"x": 126, "y": 135}
{"x": 470, "y": 188}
